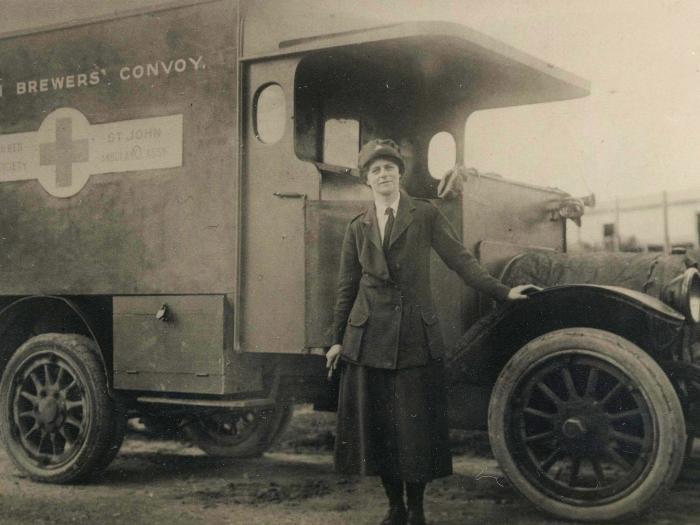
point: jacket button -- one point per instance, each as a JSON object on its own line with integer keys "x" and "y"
{"x": 397, "y": 308}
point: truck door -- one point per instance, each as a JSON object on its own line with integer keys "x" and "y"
{"x": 275, "y": 187}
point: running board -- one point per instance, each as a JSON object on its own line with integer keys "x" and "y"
{"x": 216, "y": 403}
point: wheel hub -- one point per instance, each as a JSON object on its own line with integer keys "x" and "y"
{"x": 574, "y": 428}
{"x": 47, "y": 410}
{"x": 583, "y": 427}
{"x": 50, "y": 413}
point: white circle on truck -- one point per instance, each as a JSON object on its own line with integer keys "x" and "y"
{"x": 64, "y": 152}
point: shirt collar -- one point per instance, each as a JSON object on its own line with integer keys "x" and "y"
{"x": 382, "y": 207}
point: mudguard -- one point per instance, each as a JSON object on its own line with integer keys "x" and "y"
{"x": 17, "y": 313}
{"x": 642, "y": 319}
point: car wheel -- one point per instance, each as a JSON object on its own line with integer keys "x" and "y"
{"x": 586, "y": 425}
{"x": 57, "y": 419}
{"x": 237, "y": 433}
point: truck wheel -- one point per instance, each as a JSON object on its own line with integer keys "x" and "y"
{"x": 117, "y": 433}
{"x": 161, "y": 427}
{"x": 57, "y": 420}
{"x": 239, "y": 434}
{"x": 586, "y": 425}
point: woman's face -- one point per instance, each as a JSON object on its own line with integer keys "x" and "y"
{"x": 383, "y": 177}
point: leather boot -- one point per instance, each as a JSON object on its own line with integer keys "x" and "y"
{"x": 416, "y": 516}
{"x": 396, "y": 515}
{"x": 414, "y": 495}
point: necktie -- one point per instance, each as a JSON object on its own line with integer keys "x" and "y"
{"x": 387, "y": 229}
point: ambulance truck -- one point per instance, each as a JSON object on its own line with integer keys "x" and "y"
{"x": 175, "y": 183}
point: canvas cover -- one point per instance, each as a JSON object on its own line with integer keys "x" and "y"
{"x": 643, "y": 272}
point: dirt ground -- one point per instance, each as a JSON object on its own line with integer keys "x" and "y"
{"x": 171, "y": 483}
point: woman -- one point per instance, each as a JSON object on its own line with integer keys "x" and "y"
{"x": 392, "y": 407}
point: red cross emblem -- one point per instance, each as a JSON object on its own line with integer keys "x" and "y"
{"x": 64, "y": 152}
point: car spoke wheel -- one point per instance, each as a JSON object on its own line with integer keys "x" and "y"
{"x": 582, "y": 428}
{"x": 586, "y": 425}
{"x": 237, "y": 433}
{"x": 230, "y": 429}
{"x": 56, "y": 418}
{"x": 50, "y": 410}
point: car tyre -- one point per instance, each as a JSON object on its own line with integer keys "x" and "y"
{"x": 586, "y": 425}
{"x": 58, "y": 421}
{"x": 239, "y": 433}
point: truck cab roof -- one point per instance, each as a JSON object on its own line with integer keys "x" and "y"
{"x": 462, "y": 59}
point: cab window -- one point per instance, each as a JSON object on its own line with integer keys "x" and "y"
{"x": 341, "y": 142}
{"x": 270, "y": 113}
{"x": 442, "y": 154}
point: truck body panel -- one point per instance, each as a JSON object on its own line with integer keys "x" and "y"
{"x": 156, "y": 211}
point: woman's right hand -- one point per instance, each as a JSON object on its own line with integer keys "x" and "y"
{"x": 332, "y": 358}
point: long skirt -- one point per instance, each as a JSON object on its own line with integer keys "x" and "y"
{"x": 393, "y": 423}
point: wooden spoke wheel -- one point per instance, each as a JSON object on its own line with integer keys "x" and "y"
{"x": 239, "y": 433}
{"x": 587, "y": 425}
{"x": 56, "y": 417}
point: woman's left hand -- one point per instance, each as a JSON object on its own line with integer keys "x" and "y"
{"x": 522, "y": 291}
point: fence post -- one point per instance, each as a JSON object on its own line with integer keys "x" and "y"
{"x": 667, "y": 239}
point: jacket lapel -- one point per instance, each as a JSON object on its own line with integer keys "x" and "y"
{"x": 404, "y": 217}
{"x": 376, "y": 258}
{"x": 371, "y": 227}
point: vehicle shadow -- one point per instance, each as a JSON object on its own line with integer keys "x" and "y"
{"x": 138, "y": 468}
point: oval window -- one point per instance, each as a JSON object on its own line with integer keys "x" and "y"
{"x": 270, "y": 111}
{"x": 442, "y": 154}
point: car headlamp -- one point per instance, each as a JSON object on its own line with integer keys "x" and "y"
{"x": 683, "y": 294}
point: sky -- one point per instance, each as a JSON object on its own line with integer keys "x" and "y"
{"x": 637, "y": 132}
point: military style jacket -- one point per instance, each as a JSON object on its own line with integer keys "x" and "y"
{"x": 384, "y": 314}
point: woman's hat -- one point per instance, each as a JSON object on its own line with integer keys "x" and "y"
{"x": 377, "y": 148}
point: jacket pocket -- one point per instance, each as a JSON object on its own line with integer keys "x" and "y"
{"x": 429, "y": 317}
{"x": 433, "y": 334}
{"x": 358, "y": 318}
{"x": 352, "y": 340}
